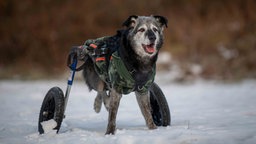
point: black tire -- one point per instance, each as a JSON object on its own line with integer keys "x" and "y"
{"x": 52, "y": 108}
{"x": 159, "y": 106}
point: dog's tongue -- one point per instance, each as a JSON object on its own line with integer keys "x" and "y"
{"x": 150, "y": 48}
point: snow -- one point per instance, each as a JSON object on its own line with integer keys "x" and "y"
{"x": 202, "y": 112}
{"x": 164, "y": 58}
{"x": 49, "y": 125}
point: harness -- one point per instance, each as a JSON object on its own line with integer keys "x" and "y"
{"x": 112, "y": 70}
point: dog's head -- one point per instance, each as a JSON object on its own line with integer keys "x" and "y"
{"x": 145, "y": 34}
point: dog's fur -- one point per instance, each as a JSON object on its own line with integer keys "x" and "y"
{"x": 139, "y": 47}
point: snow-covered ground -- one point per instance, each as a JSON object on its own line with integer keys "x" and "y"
{"x": 202, "y": 112}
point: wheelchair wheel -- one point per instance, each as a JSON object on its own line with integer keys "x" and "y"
{"x": 159, "y": 106}
{"x": 52, "y": 109}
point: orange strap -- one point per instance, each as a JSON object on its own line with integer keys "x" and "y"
{"x": 93, "y": 45}
{"x": 100, "y": 59}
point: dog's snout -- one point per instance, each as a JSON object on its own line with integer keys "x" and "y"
{"x": 151, "y": 36}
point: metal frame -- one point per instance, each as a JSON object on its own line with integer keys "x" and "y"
{"x": 70, "y": 82}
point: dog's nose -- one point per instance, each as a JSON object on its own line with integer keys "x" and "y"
{"x": 151, "y": 36}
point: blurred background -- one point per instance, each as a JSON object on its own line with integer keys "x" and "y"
{"x": 210, "y": 39}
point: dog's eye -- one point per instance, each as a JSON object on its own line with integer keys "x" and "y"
{"x": 155, "y": 29}
{"x": 141, "y": 30}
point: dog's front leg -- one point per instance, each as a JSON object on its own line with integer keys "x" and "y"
{"x": 113, "y": 108}
{"x": 144, "y": 103}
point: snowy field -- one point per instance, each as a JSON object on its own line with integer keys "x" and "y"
{"x": 202, "y": 112}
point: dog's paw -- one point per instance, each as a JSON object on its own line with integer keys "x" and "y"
{"x": 152, "y": 126}
{"x": 97, "y": 103}
{"x": 110, "y": 131}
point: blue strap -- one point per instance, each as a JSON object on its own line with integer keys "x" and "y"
{"x": 72, "y": 72}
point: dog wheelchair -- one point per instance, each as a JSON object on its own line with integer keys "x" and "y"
{"x": 55, "y": 102}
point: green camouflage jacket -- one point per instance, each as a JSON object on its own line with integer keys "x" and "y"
{"x": 111, "y": 68}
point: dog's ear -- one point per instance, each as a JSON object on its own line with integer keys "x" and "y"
{"x": 130, "y": 22}
{"x": 162, "y": 20}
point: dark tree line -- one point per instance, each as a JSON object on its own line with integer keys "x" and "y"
{"x": 38, "y": 34}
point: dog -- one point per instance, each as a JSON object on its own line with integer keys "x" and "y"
{"x": 135, "y": 48}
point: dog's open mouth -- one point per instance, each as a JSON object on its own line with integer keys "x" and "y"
{"x": 149, "y": 48}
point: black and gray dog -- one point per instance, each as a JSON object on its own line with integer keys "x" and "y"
{"x": 122, "y": 64}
